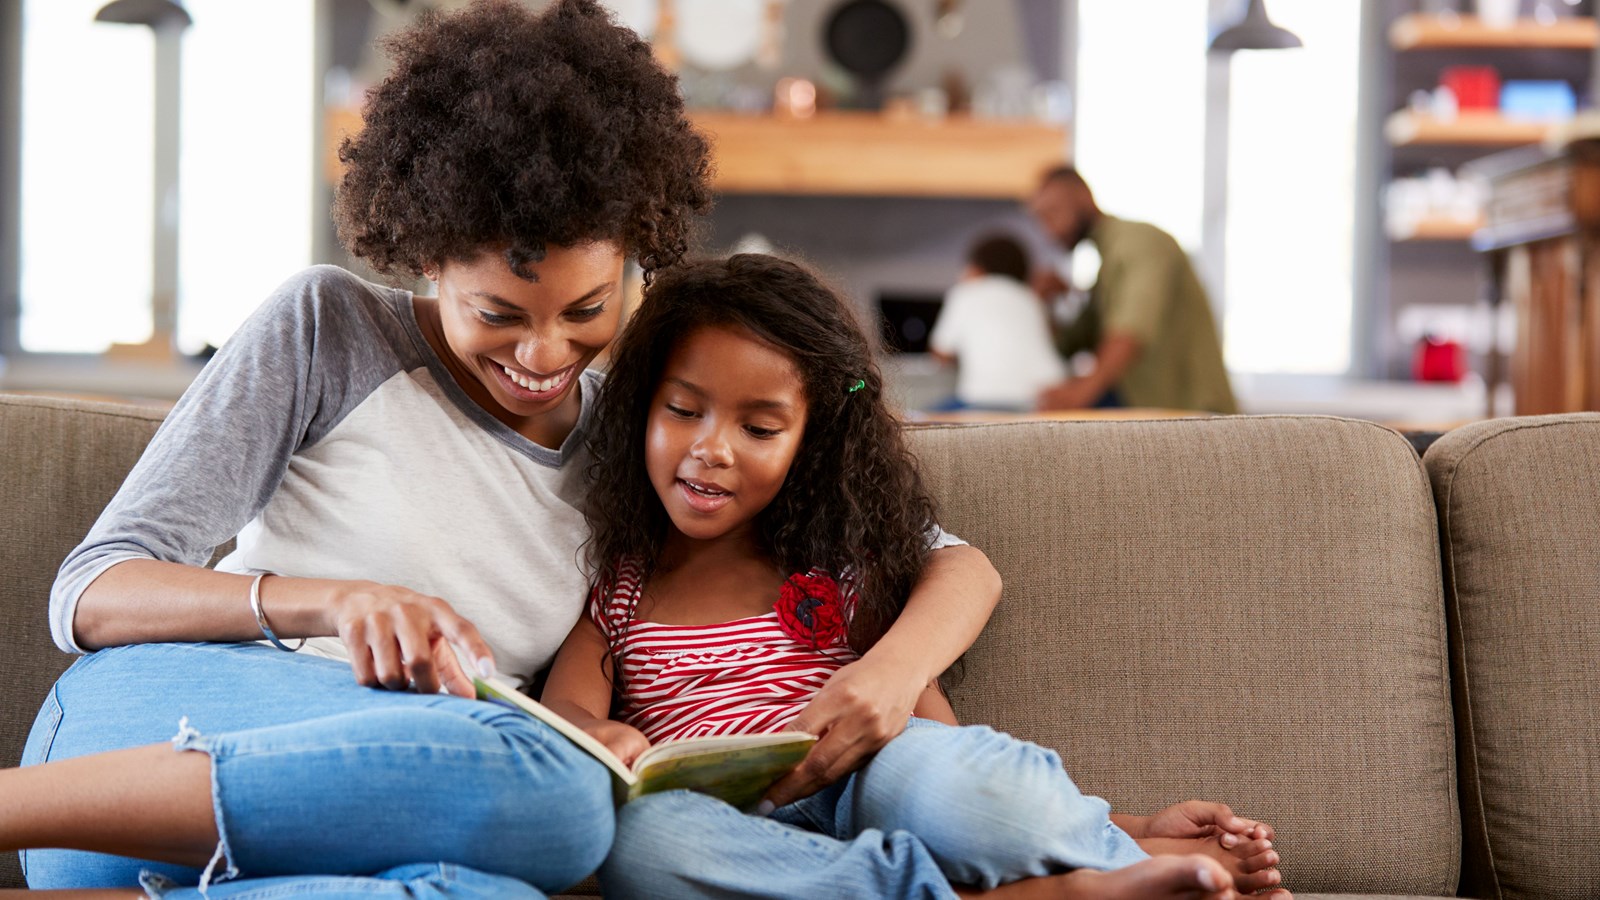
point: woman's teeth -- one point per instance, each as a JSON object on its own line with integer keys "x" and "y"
{"x": 705, "y": 491}
{"x": 532, "y": 384}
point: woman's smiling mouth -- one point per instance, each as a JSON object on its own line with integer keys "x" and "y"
{"x": 527, "y": 387}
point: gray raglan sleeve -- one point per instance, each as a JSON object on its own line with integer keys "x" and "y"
{"x": 224, "y": 449}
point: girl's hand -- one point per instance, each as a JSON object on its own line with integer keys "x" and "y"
{"x": 1199, "y": 819}
{"x": 862, "y": 707}
{"x": 400, "y": 639}
{"x": 626, "y": 741}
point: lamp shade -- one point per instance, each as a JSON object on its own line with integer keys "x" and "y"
{"x": 1255, "y": 32}
{"x": 155, "y": 13}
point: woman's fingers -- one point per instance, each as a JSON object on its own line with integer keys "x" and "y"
{"x": 387, "y": 661}
{"x": 464, "y": 635}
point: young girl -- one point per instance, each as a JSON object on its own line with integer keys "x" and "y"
{"x": 402, "y": 474}
{"x": 757, "y": 521}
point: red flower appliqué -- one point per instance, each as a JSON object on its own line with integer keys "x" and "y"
{"x": 810, "y": 610}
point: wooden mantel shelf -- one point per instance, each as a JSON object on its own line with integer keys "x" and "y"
{"x": 1422, "y": 32}
{"x": 853, "y": 154}
{"x": 865, "y": 154}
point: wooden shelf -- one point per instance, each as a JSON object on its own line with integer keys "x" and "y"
{"x": 866, "y": 154}
{"x": 1424, "y": 32}
{"x": 848, "y": 154}
{"x": 1440, "y": 229}
{"x": 1406, "y": 128}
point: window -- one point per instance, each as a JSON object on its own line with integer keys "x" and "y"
{"x": 245, "y": 171}
{"x": 1290, "y": 200}
{"x": 1139, "y": 131}
{"x": 1291, "y": 195}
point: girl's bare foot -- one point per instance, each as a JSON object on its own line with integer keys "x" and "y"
{"x": 1252, "y": 862}
{"x": 1193, "y": 877}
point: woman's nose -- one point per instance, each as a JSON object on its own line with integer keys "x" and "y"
{"x": 539, "y": 356}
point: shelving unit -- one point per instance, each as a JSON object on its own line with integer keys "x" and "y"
{"x": 1421, "y": 32}
{"x": 1406, "y": 128}
{"x": 1431, "y": 262}
{"x": 1439, "y": 229}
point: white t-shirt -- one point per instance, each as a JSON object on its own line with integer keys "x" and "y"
{"x": 999, "y": 333}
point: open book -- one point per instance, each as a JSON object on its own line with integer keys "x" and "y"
{"x": 736, "y": 769}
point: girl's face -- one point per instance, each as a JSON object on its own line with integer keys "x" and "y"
{"x": 519, "y": 344}
{"x": 724, "y": 426}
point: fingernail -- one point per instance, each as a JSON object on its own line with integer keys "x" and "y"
{"x": 1207, "y": 880}
{"x": 1229, "y": 839}
{"x": 485, "y": 667}
{"x": 765, "y": 808}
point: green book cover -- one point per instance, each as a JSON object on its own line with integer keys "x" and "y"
{"x": 736, "y": 769}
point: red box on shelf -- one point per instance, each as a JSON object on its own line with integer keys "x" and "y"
{"x": 1475, "y": 87}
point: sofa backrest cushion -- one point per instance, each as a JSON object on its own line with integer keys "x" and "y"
{"x": 1236, "y": 609}
{"x": 1519, "y": 518}
{"x": 60, "y": 463}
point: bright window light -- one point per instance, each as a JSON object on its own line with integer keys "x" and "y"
{"x": 245, "y": 182}
{"x": 87, "y": 178}
{"x": 1139, "y": 132}
{"x": 1291, "y": 190}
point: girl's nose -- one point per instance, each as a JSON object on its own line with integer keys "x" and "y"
{"x": 711, "y": 450}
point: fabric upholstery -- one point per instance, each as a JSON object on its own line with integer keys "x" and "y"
{"x": 1519, "y": 519}
{"x": 1237, "y": 609}
{"x": 60, "y": 462}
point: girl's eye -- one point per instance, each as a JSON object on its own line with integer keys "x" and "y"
{"x": 757, "y": 431}
{"x": 587, "y": 313}
{"x": 490, "y": 318}
{"x": 679, "y": 411}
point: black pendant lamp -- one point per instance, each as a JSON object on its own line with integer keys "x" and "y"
{"x": 1255, "y": 32}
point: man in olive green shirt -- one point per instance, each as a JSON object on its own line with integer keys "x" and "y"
{"x": 1147, "y": 321}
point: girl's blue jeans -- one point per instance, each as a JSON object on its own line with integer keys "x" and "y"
{"x": 937, "y": 806}
{"x": 321, "y": 787}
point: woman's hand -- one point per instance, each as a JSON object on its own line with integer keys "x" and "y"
{"x": 400, "y": 639}
{"x": 862, "y": 707}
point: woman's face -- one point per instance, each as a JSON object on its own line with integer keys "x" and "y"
{"x": 519, "y": 344}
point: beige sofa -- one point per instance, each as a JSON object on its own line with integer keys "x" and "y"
{"x": 1394, "y": 663}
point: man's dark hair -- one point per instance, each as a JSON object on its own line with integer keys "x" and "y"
{"x": 1065, "y": 175}
{"x": 999, "y": 254}
{"x": 501, "y": 127}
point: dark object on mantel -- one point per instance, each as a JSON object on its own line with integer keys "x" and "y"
{"x": 1541, "y": 241}
{"x": 867, "y": 38}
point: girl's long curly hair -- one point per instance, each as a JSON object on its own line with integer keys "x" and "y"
{"x": 853, "y": 502}
{"x": 501, "y": 127}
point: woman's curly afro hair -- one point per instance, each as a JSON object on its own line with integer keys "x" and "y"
{"x": 501, "y": 127}
{"x": 853, "y": 501}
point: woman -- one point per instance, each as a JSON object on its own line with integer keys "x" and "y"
{"x": 402, "y": 474}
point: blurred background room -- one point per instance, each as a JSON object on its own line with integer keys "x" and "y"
{"x": 1389, "y": 203}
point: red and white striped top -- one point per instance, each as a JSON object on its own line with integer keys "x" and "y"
{"x": 748, "y": 676}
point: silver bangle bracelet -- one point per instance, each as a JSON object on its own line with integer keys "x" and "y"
{"x": 261, "y": 617}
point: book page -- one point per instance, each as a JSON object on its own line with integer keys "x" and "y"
{"x": 738, "y": 776}
{"x": 496, "y": 690}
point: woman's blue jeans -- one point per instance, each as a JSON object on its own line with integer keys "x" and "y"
{"x": 316, "y": 779}
{"x": 937, "y": 806}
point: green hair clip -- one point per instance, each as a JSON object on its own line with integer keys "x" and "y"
{"x": 860, "y": 383}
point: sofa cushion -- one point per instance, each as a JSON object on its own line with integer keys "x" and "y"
{"x": 1243, "y": 609}
{"x": 1519, "y": 517}
{"x": 63, "y": 460}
